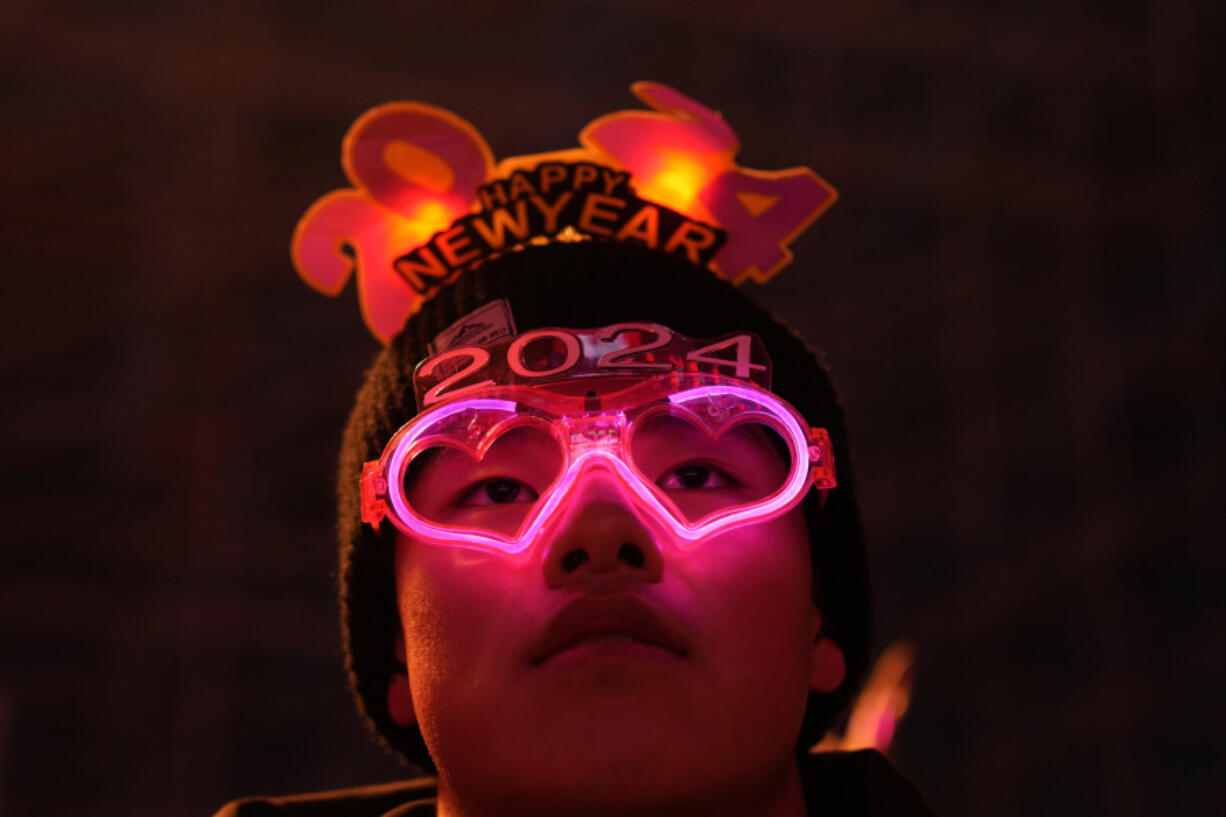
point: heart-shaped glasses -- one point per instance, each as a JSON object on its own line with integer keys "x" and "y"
{"x": 489, "y": 471}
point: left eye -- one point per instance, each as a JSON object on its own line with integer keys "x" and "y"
{"x": 498, "y": 492}
{"x": 694, "y": 476}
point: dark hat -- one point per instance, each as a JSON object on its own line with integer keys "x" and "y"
{"x": 584, "y": 285}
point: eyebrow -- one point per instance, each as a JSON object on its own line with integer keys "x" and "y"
{"x": 744, "y": 439}
{"x": 513, "y": 442}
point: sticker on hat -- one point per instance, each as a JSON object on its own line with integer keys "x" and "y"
{"x": 429, "y": 201}
{"x": 483, "y": 325}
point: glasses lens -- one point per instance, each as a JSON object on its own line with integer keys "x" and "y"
{"x": 484, "y": 471}
{"x": 708, "y": 460}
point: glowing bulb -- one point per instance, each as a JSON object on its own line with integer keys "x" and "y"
{"x": 677, "y": 183}
{"x": 403, "y": 234}
{"x": 433, "y": 216}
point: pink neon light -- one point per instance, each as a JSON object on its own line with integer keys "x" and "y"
{"x": 810, "y": 465}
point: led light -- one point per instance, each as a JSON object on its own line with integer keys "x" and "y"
{"x": 597, "y": 443}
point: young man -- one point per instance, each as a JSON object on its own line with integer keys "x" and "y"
{"x": 600, "y": 550}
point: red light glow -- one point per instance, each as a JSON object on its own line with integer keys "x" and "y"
{"x": 880, "y": 705}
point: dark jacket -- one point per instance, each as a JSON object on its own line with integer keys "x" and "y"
{"x": 836, "y": 784}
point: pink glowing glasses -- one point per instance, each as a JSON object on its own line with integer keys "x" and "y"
{"x": 699, "y": 453}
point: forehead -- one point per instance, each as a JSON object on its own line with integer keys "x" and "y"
{"x": 749, "y": 439}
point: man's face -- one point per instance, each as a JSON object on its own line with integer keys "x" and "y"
{"x": 607, "y": 663}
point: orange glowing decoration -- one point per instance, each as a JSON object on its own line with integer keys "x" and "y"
{"x": 881, "y": 704}
{"x": 428, "y": 200}
{"x": 682, "y": 157}
{"x": 415, "y": 168}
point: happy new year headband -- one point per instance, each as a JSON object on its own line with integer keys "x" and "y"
{"x": 429, "y": 201}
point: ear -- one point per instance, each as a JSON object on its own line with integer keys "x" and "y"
{"x": 399, "y": 697}
{"x": 826, "y": 665}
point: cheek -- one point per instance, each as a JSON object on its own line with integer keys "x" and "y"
{"x": 754, "y": 585}
{"x": 458, "y": 610}
{"x": 759, "y": 591}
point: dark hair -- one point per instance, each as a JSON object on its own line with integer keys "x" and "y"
{"x": 583, "y": 285}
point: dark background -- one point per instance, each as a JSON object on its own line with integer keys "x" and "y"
{"x": 1021, "y": 291}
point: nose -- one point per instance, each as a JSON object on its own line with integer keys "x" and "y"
{"x": 601, "y": 544}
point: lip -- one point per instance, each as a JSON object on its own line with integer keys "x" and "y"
{"x": 607, "y": 620}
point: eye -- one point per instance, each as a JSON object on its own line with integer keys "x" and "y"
{"x": 498, "y": 492}
{"x": 694, "y": 476}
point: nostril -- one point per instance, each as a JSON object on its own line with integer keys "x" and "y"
{"x": 572, "y": 560}
{"x": 632, "y": 555}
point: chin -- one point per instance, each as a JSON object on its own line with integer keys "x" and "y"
{"x": 594, "y": 766}
{"x": 608, "y": 776}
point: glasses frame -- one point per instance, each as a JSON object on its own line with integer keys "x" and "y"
{"x": 592, "y": 437}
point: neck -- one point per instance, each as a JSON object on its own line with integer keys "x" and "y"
{"x": 780, "y": 796}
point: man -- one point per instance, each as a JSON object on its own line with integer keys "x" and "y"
{"x": 600, "y": 551}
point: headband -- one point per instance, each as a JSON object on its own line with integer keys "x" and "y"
{"x": 429, "y": 200}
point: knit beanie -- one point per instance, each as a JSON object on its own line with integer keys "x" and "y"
{"x": 581, "y": 285}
